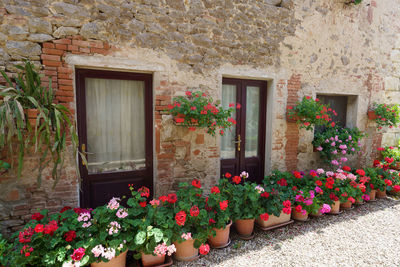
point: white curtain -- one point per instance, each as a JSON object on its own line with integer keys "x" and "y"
{"x": 252, "y": 120}
{"x": 115, "y": 125}
{"x": 228, "y": 140}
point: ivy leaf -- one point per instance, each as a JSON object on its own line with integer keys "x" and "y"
{"x": 140, "y": 238}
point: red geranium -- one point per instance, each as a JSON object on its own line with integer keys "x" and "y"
{"x": 163, "y": 198}
{"x": 196, "y": 183}
{"x": 389, "y": 160}
{"x": 328, "y": 185}
{"x": 204, "y": 249}
{"x": 298, "y": 208}
{"x": 39, "y": 228}
{"x": 223, "y": 205}
{"x": 78, "y": 254}
{"x": 265, "y": 194}
{"x": 372, "y": 186}
{"x": 346, "y": 168}
{"x": 388, "y": 182}
{"x": 51, "y": 227}
{"x": 264, "y": 217}
{"x": 143, "y": 204}
{"x": 282, "y": 182}
{"x": 318, "y": 182}
{"x": 144, "y": 191}
{"x": 215, "y": 190}
{"x": 228, "y": 175}
{"x": 37, "y": 216}
{"x": 287, "y": 203}
{"x": 351, "y": 199}
{"x": 360, "y": 172}
{"x": 172, "y": 198}
{"x": 297, "y": 174}
{"x": 236, "y": 179}
{"x": 211, "y": 221}
{"x": 194, "y": 211}
{"x": 180, "y": 218}
{"x": 70, "y": 236}
{"x": 396, "y": 188}
{"x": 25, "y": 235}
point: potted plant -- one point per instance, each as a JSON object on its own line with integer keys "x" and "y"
{"x": 49, "y": 126}
{"x": 309, "y": 112}
{"x": 349, "y": 190}
{"x": 391, "y": 154}
{"x": 4, "y": 247}
{"x": 381, "y": 180}
{"x": 198, "y": 110}
{"x": 303, "y": 205}
{"x": 219, "y": 215}
{"x": 189, "y": 221}
{"x": 243, "y": 198}
{"x": 385, "y": 115}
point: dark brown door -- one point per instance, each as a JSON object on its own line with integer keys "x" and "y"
{"x": 114, "y": 111}
{"x": 243, "y": 148}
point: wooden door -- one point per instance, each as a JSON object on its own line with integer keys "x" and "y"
{"x": 115, "y": 128}
{"x": 243, "y": 149}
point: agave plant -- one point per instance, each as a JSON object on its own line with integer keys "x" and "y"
{"x": 53, "y": 124}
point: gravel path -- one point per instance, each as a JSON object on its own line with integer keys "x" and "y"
{"x": 368, "y": 235}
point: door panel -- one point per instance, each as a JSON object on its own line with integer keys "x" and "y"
{"x": 115, "y": 132}
{"x": 248, "y": 137}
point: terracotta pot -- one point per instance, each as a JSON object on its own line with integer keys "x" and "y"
{"x": 346, "y": 205}
{"x": 318, "y": 213}
{"x": 119, "y": 261}
{"x": 371, "y": 115}
{"x": 381, "y": 194}
{"x": 185, "y": 251}
{"x": 245, "y": 227}
{"x": 151, "y": 260}
{"x": 31, "y": 115}
{"x": 372, "y": 194}
{"x": 359, "y": 201}
{"x": 335, "y": 207}
{"x": 273, "y": 220}
{"x": 222, "y": 236}
{"x": 298, "y": 216}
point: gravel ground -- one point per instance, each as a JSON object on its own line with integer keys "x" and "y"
{"x": 368, "y": 235}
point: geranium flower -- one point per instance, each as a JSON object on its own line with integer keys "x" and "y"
{"x": 286, "y": 203}
{"x": 236, "y": 179}
{"x": 318, "y": 189}
{"x": 204, "y": 249}
{"x": 282, "y": 182}
{"x": 264, "y": 217}
{"x": 319, "y": 148}
{"x": 144, "y": 191}
{"x": 211, "y": 221}
{"x": 37, "y": 216}
{"x": 25, "y": 235}
{"x": 186, "y": 236}
{"x": 223, "y": 205}
{"x": 78, "y": 254}
{"x": 366, "y": 197}
{"x": 396, "y": 188}
{"x": 172, "y": 198}
{"x": 113, "y": 228}
{"x": 297, "y": 175}
{"x": 163, "y": 198}
{"x": 265, "y": 194}
{"x": 194, "y": 211}
{"x": 180, "y": 218}
{"x": 39, "y": 228}
{"x": 196, "y": 183}
{"x": 228, "y": 175}
{"x": 351, "y": 199}
{"x": 26, "y": 250}
{"x": 50, "y": 228}
{"x": 360, "y": 172}
{"x": 298, "y": 208}
{"x": 259, "y": 189}
{"x": 121, "y": 213}
{"x": 244, "y": 175}
{"x": 320, "y": 171}
{"x": 215, "y": 190}
{"x": 65, "y": 209}
{"x": 143, "y": 204}
{"x": 179, "y": 120}
{"x": 113, "y": 204}
{"x": 319, "y": 183}
{"x": 346, "y": 168}
{"x": 325, "y": 208}
{"x": 388, "y": 182}
{"x": 70, "y": 236}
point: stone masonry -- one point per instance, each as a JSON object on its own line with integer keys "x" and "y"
{"x": 303, "y": 47}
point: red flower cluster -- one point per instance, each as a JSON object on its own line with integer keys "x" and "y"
{"x": 282, "y": 182}
{"x": 204, "y": 249}
{"x": 223, "y": 205}
{"x": 180, "y": 218}
{"x": 78, "y": 254}
{"x": 346, "y": 168}
{"x": 172, "y": 198}
{"x": 333, "y": 197}
{"x": 329, "y": 182}
{"x": 389, "y": 160}
{"x": 265, "y": 194}
{"x": 144, "y": 191}
{"x": 298, "y": 208}
{"x": 388, "y": 182}
{"x": 264, "y": 217}
{"x": 211, "y": 221}
{"x": 70, "y": 236}
{"x": 194, "y": 211}
{"x": 26, "y": 235}
{"x": 26, "y": 250}
{"x": 318, "y": 182}
{"x": 196, "y": 183}
{"x": 297, "y": 175}
{"x": 360, "y": 172}
{"x": 37, "y": 216}
{"x": 396, "y": 188}
{"x": 39, "y": 228}
{"x": 50, "y": 228}
{"x": 287, "y": 206}
{"x": 143, "y": 204}
{"x": 163, "y": 198}
{"x": 236, "y": 179}
{"x": 351, "y": 199}
{"x": 65, "y": 209}
{"x": 228, "y": 175}
{"x": 215, "y": 190}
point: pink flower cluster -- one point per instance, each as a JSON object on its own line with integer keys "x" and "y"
{"x": 186, "y": 236}
{"x": 113, "y": 228}
{"x": 121, "y": 213}
{"x": 155, "y": 202}
{"x": 107, "y": 253}
{"x": 162, "y": 249}
{"x": 259, "y": 189}
{"x": 85, "y": 217}
{"x": 114, "y": 203}
{"x": 325, "y": 209}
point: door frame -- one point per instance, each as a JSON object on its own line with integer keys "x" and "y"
{"x": 241, "y": 117}
{"x": 80, "y": 75}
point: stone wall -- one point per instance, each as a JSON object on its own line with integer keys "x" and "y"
{"x": 302, "y": 48}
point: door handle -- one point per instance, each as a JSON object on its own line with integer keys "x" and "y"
{"x": 238, "y": 142}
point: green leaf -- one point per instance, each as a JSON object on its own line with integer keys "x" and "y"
{"x": 140, "y": 238}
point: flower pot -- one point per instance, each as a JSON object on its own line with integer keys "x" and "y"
{"x": 346, "y": 205}
{"x": 371, "y": 115}
{"x": 273, "y": 220}
{"x": 185, "y": 251}
{"x": 119, "y": 261}
{"x": 31, "y": 116}
{"x": 298, "y": 216}
{"x": 245, "y": 227}
{"x": 151, "y": 260}
{"x": 335, "y": 207}
{"x": 372, "y": 194}
{"x": 381, "y": 194}
{"x": 222, "y": 236}
{"x": 318, "y": 213}
{"x": 359, "y": 201}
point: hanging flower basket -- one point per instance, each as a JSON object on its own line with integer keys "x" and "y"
{"x": 371, "y": 115}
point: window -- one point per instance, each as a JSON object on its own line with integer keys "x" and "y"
{"x": 339, "y": 104}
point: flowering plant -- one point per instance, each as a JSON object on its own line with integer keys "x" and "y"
{"x": 218, "y": 206}
{"x": 4, "y": 247}
{"x": 386, "y": 115}
{"x": 309, "y": 112}
{"x": 334, "y": 144}
{"x": 304, "y": 202}
{"x": 392, "y": 154}
{"x": 243, "y": 197}
{"x": 187, "y": 214}
{"x": 349, "y": 189}
{"x": 199, "y": 110}
{"x": 50, "y": 240}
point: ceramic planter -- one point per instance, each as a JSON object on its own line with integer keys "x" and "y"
{"x": 298, "y": 216}
{"x": 119, "y": 261}
{"x": 371, "y": 115}
{"x": 335, "y": 207}
{"x": 245, "y": 227}
{"x": 31, "y": 115}
{"x": 185, "y": 251}
{"x": 372, "y": 194}
{"x": 273, "y": 220}
{"x": 381, "y": 194}
{"x": 151, "y": 260}
{"x": 221, "y": 238}
{"x": 346, "y": 205}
